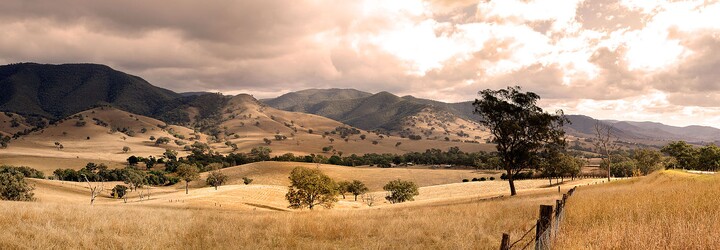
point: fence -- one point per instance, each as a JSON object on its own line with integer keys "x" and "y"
{"x": 546, "y": 227}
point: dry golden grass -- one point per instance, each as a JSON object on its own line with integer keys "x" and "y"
{"x": 667, "y": 210}
{"x": 459, "y": 226}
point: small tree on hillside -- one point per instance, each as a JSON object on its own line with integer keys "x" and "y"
{"x": 357, "y": 188}
{"x": 133, "y": 177}
{"x": 126, "y": 149}
{"x": 187, "y": 173}
{"x": 14, "y": 188}
{"x": 343, "y": 187}
{"x": 216, "y": 178}
{"x": 401, "y": 191}
{"x": 309, "y": 188}
{"x": 519, "y": 128}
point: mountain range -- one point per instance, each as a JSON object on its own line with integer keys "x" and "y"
{"x": 54, "y": 92}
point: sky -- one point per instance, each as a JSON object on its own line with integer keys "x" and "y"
{"x": 625, "y": 60}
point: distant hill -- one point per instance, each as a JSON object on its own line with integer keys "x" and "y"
{"x": 57, "y": 91}
{"x": 300, "y": 101}
{"x": 405, "y": 116}
{"x": 643, "y": 132}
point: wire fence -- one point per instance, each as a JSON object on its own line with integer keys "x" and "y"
{"x": 546, "y": 228}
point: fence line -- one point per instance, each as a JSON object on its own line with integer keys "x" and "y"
{"x": 546, "y": 227}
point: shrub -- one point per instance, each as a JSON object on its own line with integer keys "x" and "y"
{"x": 482, "y": 179}
{"x": 25, "y": 171}
{"x": 247, "y": 180}
{"x": 475, "y": 179}
{"x": 119, "y": 191}
{"x": 492, "y": 178}
{"x": 465, "y": 180}
{"x": 14, "y": 188}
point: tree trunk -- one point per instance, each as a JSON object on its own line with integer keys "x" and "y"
{"x": 355, "y": 197}
{"x": 216, "y": 187}
{"x": 512, "y": 183}
{"x": 186, "y": 187}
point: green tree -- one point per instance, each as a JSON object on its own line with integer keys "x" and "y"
{"x": 519, "y": 127}
{"x": 119, "y": 191}
{"x": 216, "y": 178}
{"x": 14, "y": 188}
{"x": 685, "y": 154}
{"x": 647, "y": 160}
{"x": 400, "y": 191}
{"x": 708, "y": 158}
{"x": 357, "y": 188}
{"x": 133, "y": 177}
{"x": 310, "y": 188}
{"x": 125, "y": 149}
{"x": 262, "y": 153}
{"x": 343, "y": 187}
{"x": 187, "y": 173}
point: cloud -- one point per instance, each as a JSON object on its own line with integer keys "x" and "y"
{"x": 595, "y": 57}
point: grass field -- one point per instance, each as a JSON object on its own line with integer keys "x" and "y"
{"x": 666, "y": 210}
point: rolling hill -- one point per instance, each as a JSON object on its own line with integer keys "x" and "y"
{"x": 404, "y": 116}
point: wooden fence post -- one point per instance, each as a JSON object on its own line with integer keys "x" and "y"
{"x": 505, "y": 243}
{"x": 542, "y": 225}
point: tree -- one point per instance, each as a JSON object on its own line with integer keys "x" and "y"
{"x": 684, "y": 154}
{"x": 247, "y": 180}
{"x": 14, "y": 188}
{"x": 267, "y": 141}
{"x": 647, "y": 160}
{"x": 216, "y": 178}
{"x": 126, "y": 149}
{"x": 133, "y": 177}
{"x": 187, "y": 173}
{"x": 262, "y": 153}
{"x": 357, "y": 188}
{"x": 518, "y": 126}
{"x": 170, "y": 154}
{"x": 398, "y": 144}
{"x": 362, "y": 137}
{"x": 119, "y": 191}
{"x": 343, "y": 187}
{"x": 162, "y": 140}
{"x": 400, "y": 191}
{"x": 310, "y": 188}
{"x": 95, "y": 189}
{"x": 133, "y": 160}
{"x": 605, "y": 143}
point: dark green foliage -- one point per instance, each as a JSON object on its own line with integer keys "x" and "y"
{"x": 26, "y": 171}
{"x": 70, "y": 88}
{"x": 119, "y": 191}
{"x": 520, "y": 129}
{"x": 247, "y": 180}
{"x": 13, "y": 186}
{"x": 356, "y": 187}
{"x": 465, "y": 180}
{"x": 401, "y": 191}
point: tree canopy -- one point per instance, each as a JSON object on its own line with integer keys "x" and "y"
{"x": 310, "y": 188}
{"x": 518, "y": 126}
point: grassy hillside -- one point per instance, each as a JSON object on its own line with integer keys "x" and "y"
{"x": 667, "y": 210}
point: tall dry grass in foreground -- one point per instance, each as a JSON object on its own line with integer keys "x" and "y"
{"x": 460, "y": 226}
{"x": 667, "y": 210}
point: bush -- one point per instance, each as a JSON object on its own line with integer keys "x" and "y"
{"x": 119, "y": 191}
{"x": 465, "y": 180}
{"x": 401, "y": 191}
{"x": 27, "y": 172}
{"x": 14, "y": 188}
{"x": 482, "y": 179}
{"x": 247, "y": 181}
{"x": 475, "y": 179}
{"x": 492, "y": 178}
